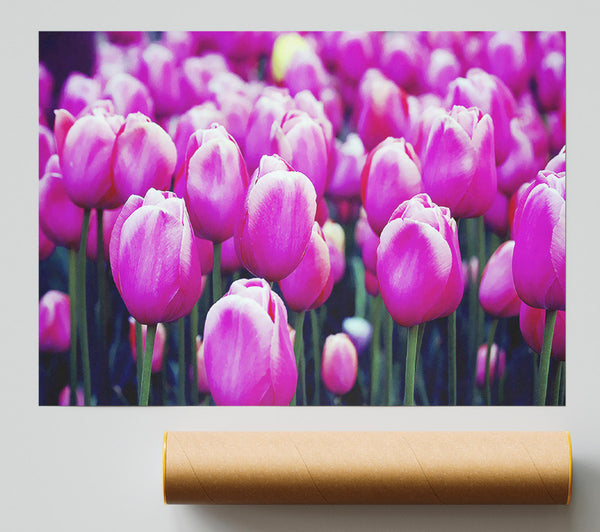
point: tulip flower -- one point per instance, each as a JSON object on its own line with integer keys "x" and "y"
{"x": 78, "y": 92}
{"x": 247, "y": 348}
{"x": 497, "y": 293}
{"x": 551, "y": 80}
{"x": 539, "y": 254}
{"x": 159, "y": 343}
{"x": 234, "y": 100}
{"x": 230, "y": 262}
{"x": 339, "y": 363}
{"x": 531, "y": 322}
{"x": 336, "y": 243}
{"x": 197, "y": 73}
{"x": 401, "y": 58}
{"x": 310, "y": 284}
{"x": 371, "y": 283}
{"x": 496, "y": 217}
{"x": 205, "y": 253}
{"x": 355, "y": 52}
{"x": 275, "y": 225}
{"x": 54, "y": 322}
{"x": 507, "y": 58}
{"x": 46, "y": 246}
{"x": 349, "y": 157}
{"x": 65, "y": 394}
{"x": 496, "y": 364}
{"x": 558, "y": 163}
{"x": 391, "y": 175}
{"x": 442, "y": 69}
{"x": 47, "y": 147}
{"x": 383, "y": 109}
{"x": 459, "y": 171}
{"x": 490, "y": 94}
{"x": 420, "y": 233}
{"x": 534, "y": 127}
{"x": 216, "y": 182}
{"x": 158, "y": 71}
{"x": 359, "y": 331}
{"x": 129, "y": 95}
{"x": 154, "y": 258}
{"x": 144, "y": 157}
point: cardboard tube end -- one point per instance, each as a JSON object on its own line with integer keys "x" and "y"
{"x": 164, "y": 467}
{"x": 570, "y": 467}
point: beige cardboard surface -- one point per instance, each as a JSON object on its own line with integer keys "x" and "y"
{"x": 367, "y": 467}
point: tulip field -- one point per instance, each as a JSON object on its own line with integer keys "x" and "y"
{"x": 312, "y": 218}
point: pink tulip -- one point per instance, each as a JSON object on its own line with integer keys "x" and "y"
{"x": 60, "y": 218}
{"x": 144, "y": 157}
{"x": 322, "y": 214}
{"x": 493, "y": 97}
{"x": 64, "y": 398}
{"x": 336, "y": 243}
{"x": 497, "y": 293}
{"x": 521, "y": 165}
{"x": 129, "y": 95}
{"x": 159, "y": 344}
{"x": 85, "y": 158}
{"x": 159, "y": 72}
{"x": 391, "y": 175}
{"x": 47, "y": 148}
{"x": 305, "y": 71}
{"x": 78, "y": 92}
{"x": 556, "y": 123}
{"x": 46, "y": 246}
{"x": 216, "y": 183}
{"x": 205, "y": 254}
{"x": 310, "y": 284}
{"x": 197, "y": 73}
{"x": 109, "y": 219}
{"x": 383, "y": 109}
{"x": 275, "y": 225}
{"x": 154, "y": 259}
{"x": 349, "y": 157}
{"x": 534, "y": 127}
{"x": 340, "y": 363}
{"x": 539, "y": 255}
{"x": 182, "y": 43}
{"x": 402, "y": 56}
{"x": 443, "y": 68}
{"x": 418, "y": 263}
{"x": 233, "y": 99}
{"x": 333, "y": 106}
{"x": 305, "y": 101}
{"x": 370, "y": 243}
{"x": 247, "y": 349}
{"x": 459, "y": 170}
{"x": 270, "y": 108}
{"x": 55, "y": 322}
{"x": 559, "y": 162}
{"x": 551, "y": 80}
{"x": 301, "y": 141}
{"x": 359, "y": 331}
{"x": 202, "y": 377}
{"x": 355, "y": 53}
{"x": 371, "y": 283}
{"x": 496, "y": 217}
{"x": 422, "y": 127}
{"x": 497, "y": 364}
{"x": 532, "y": 322}
{"x": 507, "y": 58}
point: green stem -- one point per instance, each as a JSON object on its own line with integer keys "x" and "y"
{"x": 139, "y": 356}
{"x": 488, "y": 351}
{"x": 452, "y": 359}
{"x": 147, "y": 364}
{"x": 375, "y": 353}
{"x": 103, "y": 388}
{"x": 216, "y": 273}
{"x": 194, "y": 333}
{"x": 181, "y": 362}
{"x": 420, "y": 338}
{"x": 73, "y": 313}
{"x": 545, "y": 360}
{"x": 556, "y": 386}
{"x": 81, "y": 300}
{"x": 411, "y": 359}
{"x": 360, "y": 295}
{"x": 314, "y": 323}
{"x": 389, "y": 350}
{"x": 300, "y": 361}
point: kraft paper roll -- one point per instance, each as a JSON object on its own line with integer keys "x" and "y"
{"x": 367, "y": 467}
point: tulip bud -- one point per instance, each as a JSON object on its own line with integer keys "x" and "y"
{"x": 285, "y": 47}
{"x": 159, "y": 344}
{"x": 497, "y": 293}
{"x": 539, "y": 254}
{"x": 443, "y": 68}
{"x": 154, "y": 259}
{"x": 78, "y": 92}
{"x": 55, "y": 322}
{"x": 276, "y": 222}
{"x": 355, "y": 53}
{"x": 391, "y": 175}
{"x": 336, "y": 243}
{"x": 507, "y": 58}
{"x": 497, "y": 364}
{"x": 401, "y": 58}
{"x": 144, "y": 157}
{"x": 496, "y": 217}
{"x": 350, "y": 159}
{"x": 459, "y": 171}
{"x": 247, "y": 349}
{"x": 197, "y": 73}
{"x": 371, "y": 283}
{"x": 359, "y": 331}
{"x": 47, "y": 148}
{"x": 216, "y": 183}
{"x": 129, "y": 95}
{"x": 340, "y": 363}
{"x": 418, "y": 263}
{"x": 551, "y": 80}
{"x": 532, "y": 322}
{"x": 159, "y": 72}
{"x": 310, "y": 284}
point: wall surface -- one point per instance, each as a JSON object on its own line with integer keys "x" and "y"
{"x": 76, "y": 469}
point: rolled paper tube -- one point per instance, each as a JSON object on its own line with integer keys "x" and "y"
{"x": 367, "y": 467}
